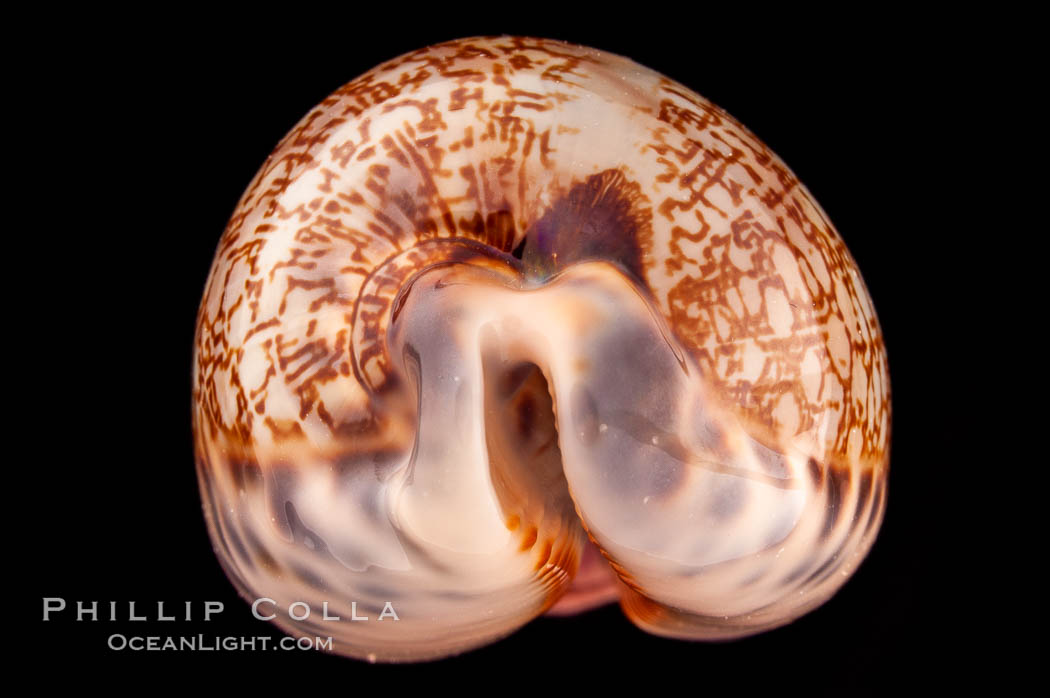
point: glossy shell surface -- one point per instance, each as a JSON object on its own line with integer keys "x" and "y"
{"x": 501, "y": 300}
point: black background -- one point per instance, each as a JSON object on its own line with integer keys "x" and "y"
{"x": 151, "y": 137}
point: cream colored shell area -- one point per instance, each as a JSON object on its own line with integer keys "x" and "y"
{"x": 743, "y": 263}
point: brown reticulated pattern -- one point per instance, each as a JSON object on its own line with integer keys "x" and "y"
{"x": 493, "y": 141}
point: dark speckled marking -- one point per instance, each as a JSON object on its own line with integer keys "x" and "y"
{"x": 584, "y": 413}
{"x": 838, "y": 483}
{"x": 797, "y": 573}
{"x": 232, "y": 539}
{"x": 604, "y": 217}
{"x": 830, "y": 565}
{"x": 309, "y": 577}
{"x": 877, "y": 502}
{"x": 816, "y": 473}
{"x": 864, "y": 486}
{"x": 246, "y": 474}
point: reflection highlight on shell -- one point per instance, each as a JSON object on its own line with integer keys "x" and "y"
{"x": 509, "y": 326}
